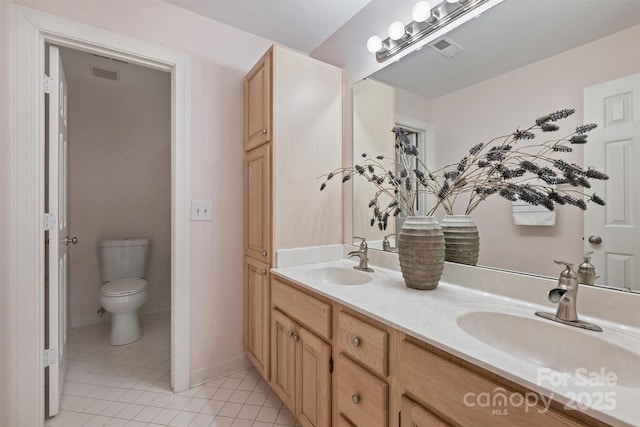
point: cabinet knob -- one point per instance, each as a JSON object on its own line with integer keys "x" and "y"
{"x": 295, "y": 338}
{"x": 355, "y": 399}
{"x": 264, "y": 253}
{"x": 263, "y": 272}
{"x": 356, "y": 342}
{"x": 264, "y": 131}
{"x": 289, "y": 334}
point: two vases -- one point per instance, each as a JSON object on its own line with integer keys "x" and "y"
{"x": 424, "y": 245}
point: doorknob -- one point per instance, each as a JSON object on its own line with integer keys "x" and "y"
{"x": 595, "y": 240}
{"x": 73, "y": 240}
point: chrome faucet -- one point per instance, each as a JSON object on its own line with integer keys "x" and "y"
{"x": 386, "y": 245}
{"x": 361, "y": 253}
{"x": 566, "y": 295}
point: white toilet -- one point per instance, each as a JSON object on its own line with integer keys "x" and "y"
{"x": 123, "y": 264}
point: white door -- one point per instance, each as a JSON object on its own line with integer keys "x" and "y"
{"x": 614, "y": 148}
{"x": 57, "y": 257}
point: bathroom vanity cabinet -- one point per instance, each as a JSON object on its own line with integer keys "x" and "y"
{"x": 454, "y": 390}
{"x": 301, "y": 362}
{"x": 293, "y": 135}
{"x": 381, "y": 376}
{"x": 362, "y": 372}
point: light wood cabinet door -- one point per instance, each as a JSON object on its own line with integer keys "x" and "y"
{"x": 313, "y": 381}
{"x": 257, "y": 98}
{"x": 414, "y": 415}
{"x": 256, "y": 314}
{"x": 283, "y": 358}
{"x": 257, "y": 178}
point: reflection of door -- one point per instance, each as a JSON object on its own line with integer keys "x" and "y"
{"x": 614, "y": 148}
{"x": 57, "y": 231}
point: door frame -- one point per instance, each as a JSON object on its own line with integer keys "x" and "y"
{"x": 31, "y": 29}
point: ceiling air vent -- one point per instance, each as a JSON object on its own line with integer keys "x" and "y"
{"x": 104, "y": 73}
{"x": 446, "y": 47}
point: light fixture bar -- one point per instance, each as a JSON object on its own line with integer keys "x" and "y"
{"x": 420, "y": 31}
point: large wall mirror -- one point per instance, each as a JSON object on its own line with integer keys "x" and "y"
{"x": 516, "y": 62}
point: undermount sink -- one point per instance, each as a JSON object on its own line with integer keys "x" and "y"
{"x": 339, "y": 276}
{"x": 554, "y": 345}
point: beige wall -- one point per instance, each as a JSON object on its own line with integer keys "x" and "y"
{"x": 373, "y": 118}
{"x": 119, "y": 185}
{"x": 515, "y": 99}
{"x": 7, "y": 332}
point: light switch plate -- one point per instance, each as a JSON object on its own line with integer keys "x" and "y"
{"x": 201, "y": 210}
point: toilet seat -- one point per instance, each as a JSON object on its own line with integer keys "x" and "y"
{"x": 123, "y": 287}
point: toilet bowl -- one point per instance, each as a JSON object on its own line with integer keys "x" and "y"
{"x": 123, "y": 265}
{"x": 122, "y": 298}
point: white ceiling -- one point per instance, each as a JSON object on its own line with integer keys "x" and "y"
{"x": 299, "y": 24}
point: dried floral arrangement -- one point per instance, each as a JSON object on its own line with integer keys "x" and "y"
{"x": 512, "y": 166}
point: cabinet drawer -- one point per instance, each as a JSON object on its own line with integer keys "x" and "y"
{"x": 343, "y": 422}
{"x": 362, "y": 398}
{"x": 452, "y": 391}
{"x": 414, "y": 415}
{"x": 314, "y": 314}
{"x": 365, "y": 343}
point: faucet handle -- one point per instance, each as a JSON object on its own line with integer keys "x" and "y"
{"x": 363, "y": 244}
{"x": 567, "y": 273}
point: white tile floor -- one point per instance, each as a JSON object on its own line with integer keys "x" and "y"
{"x": 129, "y": 386}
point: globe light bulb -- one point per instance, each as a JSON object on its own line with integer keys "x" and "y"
{"x": 396, "y": 30}
{"x": 421, "y": 11}
{"x": 374, "y": 44}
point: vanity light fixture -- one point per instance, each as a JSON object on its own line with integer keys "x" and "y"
{"x": 421, "y": 11}
{"x": 396, "y": 31}
{"x": 429, "y": 22}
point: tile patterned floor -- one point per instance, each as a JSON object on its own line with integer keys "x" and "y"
{"x": 130, "y": 386}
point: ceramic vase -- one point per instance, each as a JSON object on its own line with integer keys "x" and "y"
{"x": 462, "y": 243}
{"x": 421, "y": 252}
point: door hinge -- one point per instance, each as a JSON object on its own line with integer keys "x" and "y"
{"x": 49, "y": 221}
{"x": 49, "y": 84}
{"x": 50, "y": 356}
{"x": 331, "y": 364}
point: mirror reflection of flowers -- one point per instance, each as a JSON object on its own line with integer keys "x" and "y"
{"x": 513, "y": 166}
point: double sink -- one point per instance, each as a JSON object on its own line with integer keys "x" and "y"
{"x": 521, "y": 334}
{"x": 494, "y": 332}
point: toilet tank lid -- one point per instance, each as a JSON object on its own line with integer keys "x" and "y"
{"x": 124, "y": 242}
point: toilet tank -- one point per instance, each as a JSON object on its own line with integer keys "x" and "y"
{"x": 123, "y": 258}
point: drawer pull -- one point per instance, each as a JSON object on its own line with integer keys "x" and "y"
{"x": 264, "y": 131}
{"x": 355, "y": 399}
{"x": 264, "y": 253}
{"x": 263, "y": 272}
{"x": 356, "y": 342}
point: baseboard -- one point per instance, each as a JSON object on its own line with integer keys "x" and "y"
{"x": 209, "y": 373}
{"x": 89, "y": 319}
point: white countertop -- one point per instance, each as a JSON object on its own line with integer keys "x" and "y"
{"x": 431, "y": 316}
